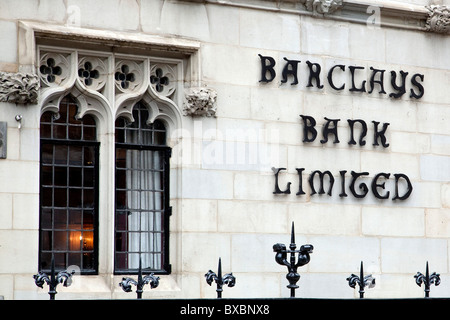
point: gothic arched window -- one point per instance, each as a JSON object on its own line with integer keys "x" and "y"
{"x": 68, "y": 190}
{"x": 142, "y": 194}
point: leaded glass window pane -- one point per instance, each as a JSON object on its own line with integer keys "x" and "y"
{"x": 142, "y": 171}
{"x": 69, "y": 186}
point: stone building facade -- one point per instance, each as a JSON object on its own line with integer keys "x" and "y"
{"x": 180, "y": 132}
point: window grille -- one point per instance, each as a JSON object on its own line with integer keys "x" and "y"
{"x": 69, "y": 190}
{"x": 142, "y": 194}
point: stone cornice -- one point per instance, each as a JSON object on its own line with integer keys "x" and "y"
{"x": 373, "y": 13}
{"x": 30, "y": 31}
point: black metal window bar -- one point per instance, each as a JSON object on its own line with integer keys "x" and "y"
{"x": 68, "y": 190}
{"x": 303, "y": 258}
{"x": 227, "y": 279}
{"x": 142, "y": 195}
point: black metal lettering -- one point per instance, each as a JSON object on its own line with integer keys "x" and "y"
{"x": 362, "y": 142}
{"x": 409, "y": 187}
{"x": 342, "y": 194}
{"x": 330, "y": 77}
{"x": 277, "y": 188}
{"x": 327, "y": 130}
{"x": 380, "y": 134}
{"x": 401, "y": 89}
{"x": 290, "y": 68}
{"x": 314, "y": 74}
{"x": 380, "y": 81}
{"x": 376, "y": 185}
{"x": 308, "y": 128}
{"x": 321, "y": 175}
{"x": 363, "y": 84}
{"x": 361, "y": 186}
{"x": 417, "y": 90}
{"x": 300, "y": 181}
{"x": 267, "y": 66}
{"x": 418, "y": 85}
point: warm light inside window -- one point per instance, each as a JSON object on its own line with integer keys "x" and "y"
{"x": 81, "y": 241}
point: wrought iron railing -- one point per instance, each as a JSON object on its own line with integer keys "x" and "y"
{"x": 283, "y": 256}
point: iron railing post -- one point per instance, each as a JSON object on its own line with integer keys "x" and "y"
{"x": 303, "y": 258}
{"x": 63, "y": 277}
{"x": 151, "y": 279}
{"x": 367, "y": 281}
{"x": 427, "y": 280}
{"x": 227, "y": 279}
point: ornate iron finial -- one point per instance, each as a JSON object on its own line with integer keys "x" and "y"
{"x": 227, "y": 279}
{"x": 303, "y": 258}
{"x": 427, "y": 280}
{"x": 367, "y": 281}
{"x": 63, "y": 277}
{"x": 148, "y": 279}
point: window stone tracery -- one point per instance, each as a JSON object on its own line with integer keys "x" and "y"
{"x": 91, "y": 72}
{"x": 110, "y": 81}
{"x": 53, "y": 69}
{"x": 163, "y": 79}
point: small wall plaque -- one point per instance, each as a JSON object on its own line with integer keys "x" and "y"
{"x": 3, "y": 130}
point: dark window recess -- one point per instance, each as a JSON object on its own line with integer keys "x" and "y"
{"x": 159, "y": 80}
{"x": 142, "y": 195}
{"x": 50, "y": 69}
{"x": 68, "y": 190}
{"x": 124, "y": 76}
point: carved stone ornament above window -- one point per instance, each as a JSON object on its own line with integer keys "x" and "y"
{"x": 106, "y": 72}
{"x": 438, "y": 19}
{"x": 110, "y": 83}
{"x": 200, "y": 102}
{"x": 20, "y": 88}
{"x": 323, "y": 6}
